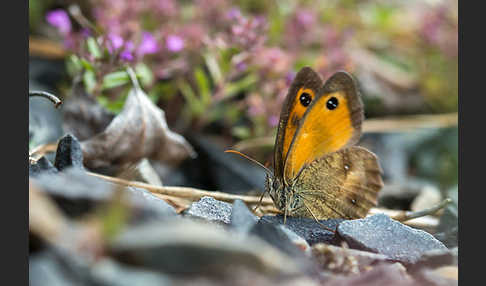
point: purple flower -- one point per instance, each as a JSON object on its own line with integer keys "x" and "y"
{"x": 148, "y": 45}
{"x": 127, "y": 54}
{"x": 305, "y": 18}
{"x": 59, "y": 19}
{"x": 85, "y": 33}
{"x": 273, "y": 120}
{"x": 115, "y": 42}
{"x": 289, "y": 77}
{"x": 174, "y": 43}
{"x": 233, "y": 13}
{"x": 241, "y": 66}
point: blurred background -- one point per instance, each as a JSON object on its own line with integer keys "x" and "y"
{"x": 221, "y": 69}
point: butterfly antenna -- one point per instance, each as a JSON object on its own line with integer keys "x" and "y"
{"x": 250, "y": 159}
{"x": 259, "y": 164}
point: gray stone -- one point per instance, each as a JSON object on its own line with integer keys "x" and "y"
{"x": 40, "y": 166}
{"x": 307, "y": 228}
{"x": 188, "y": 247}
{"x": 77, "y": 193}
{"x": 68, "y": 153}
{"x": 380, "y": 234}
{"x": 110, "y": 272}
{"x": 208, "y": 208}
{"x": 242, "y": 219}
{"x": 44, "y": 269}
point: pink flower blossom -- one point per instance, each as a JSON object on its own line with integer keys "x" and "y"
{"x": 59, "y": 19}
{"x": 174, "y": 43}
{"x": 127, "y": 53}
{"x": 115, "y": 42}
{"x": 273, "y": 120}
{"x": 148, "y": 45}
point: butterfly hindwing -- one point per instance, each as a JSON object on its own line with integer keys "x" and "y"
{"x": 342, "y": 184}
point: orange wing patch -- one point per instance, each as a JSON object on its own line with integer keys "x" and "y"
{"x": 324, "y": 130}
{"x": 297, "y": 112}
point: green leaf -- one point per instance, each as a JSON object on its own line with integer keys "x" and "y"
{"x": 93, "y": 48}
{"x": 203, "y": 86}
{"x": 86, "y": 64}
{"x": 89, "y": 80}
{"x": 243, "y": 84}
{"x": 144, "y": 74}
{"x": 114, "y": 106}
{"x": 195, "y": 105}
{"x": 241, "y": 132}
{"x": 73, "y": 65}
{"x": 115, "y": 79}
{"x": 213, "y": 68}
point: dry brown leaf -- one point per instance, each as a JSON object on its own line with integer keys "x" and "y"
{"x": 138, "y": 131}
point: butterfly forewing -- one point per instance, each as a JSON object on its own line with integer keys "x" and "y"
{"x": 331, "y": 122}
{"x": 302, "y": 92}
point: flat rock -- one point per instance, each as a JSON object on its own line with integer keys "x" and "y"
{"x": 189, "y": 247}
{"x": 282, "y": 238}
{"x": 110, "y": 272}
{"x": 342, "y": 260}
{"x": 209, "y": 209}
{"x": 40, "y": 166}
{"x": 435, "y": 259}
{"x": 380, "y": 234}
{"x": 242, "y": 219}
{"x": 307, "y": 228}
{"x": 68, "y": 153}
{"x": 77, "y": 193}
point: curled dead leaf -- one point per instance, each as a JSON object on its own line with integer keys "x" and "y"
{"x": 138, "y": 131}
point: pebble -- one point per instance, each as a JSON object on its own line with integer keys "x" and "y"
{"x": 381, "y": 234}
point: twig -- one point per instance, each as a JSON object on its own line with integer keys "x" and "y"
{"x": 408, "y": 215}
{"x": 186, "y": 192}
{"x": 406, "y": 123}
{"x": 46, "y": 48}
{"x": 57, "y": 102}
{"x": 169, "y": 194}
{"x": 41, "y": 150}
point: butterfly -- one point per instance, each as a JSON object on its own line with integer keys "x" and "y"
{"x": 318, "y": 172}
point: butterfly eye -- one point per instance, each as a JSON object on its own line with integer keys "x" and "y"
{"x": 332, "y": 103}
{"x": 305, "y": 99}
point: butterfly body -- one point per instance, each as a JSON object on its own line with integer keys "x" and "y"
{"x": 317, "y": 171}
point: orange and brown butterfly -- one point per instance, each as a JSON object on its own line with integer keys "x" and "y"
{"x": 318, "y": 172}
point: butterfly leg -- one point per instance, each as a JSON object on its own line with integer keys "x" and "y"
{"x": 323, "y": 226}
{"x": 260, "y": 201}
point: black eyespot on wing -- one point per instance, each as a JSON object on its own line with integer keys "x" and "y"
{"x": 305, "y": 99}
{"x": 332, "y": 103}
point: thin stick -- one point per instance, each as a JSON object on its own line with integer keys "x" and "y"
{"x": 186, "y": 192}
{"x": 191, "y": 194}
{"x": 408, "y": 215}
{"x": 57, "y": 102}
